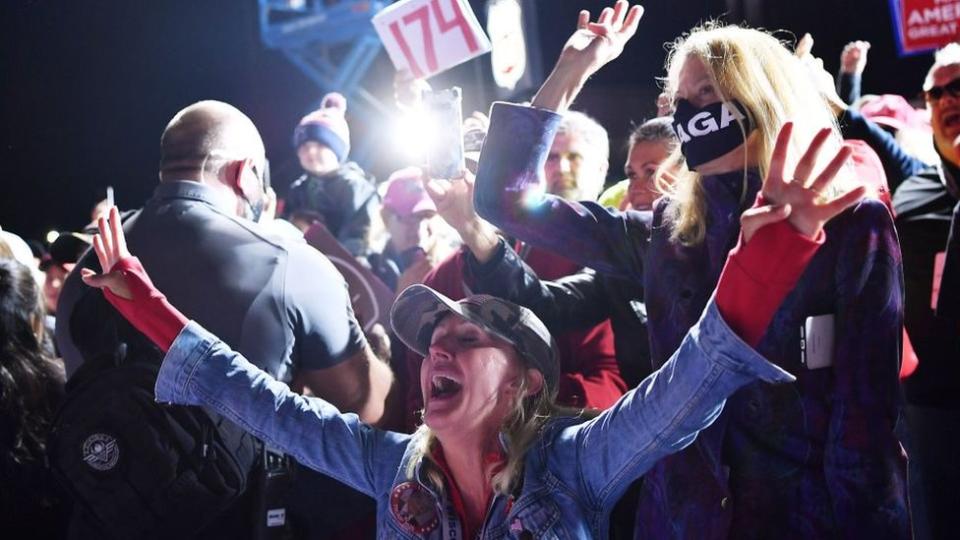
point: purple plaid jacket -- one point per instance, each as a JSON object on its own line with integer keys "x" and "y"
{"x": 816, "y": 459}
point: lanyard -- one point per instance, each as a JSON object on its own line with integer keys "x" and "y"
{"x": 450, "y": 526}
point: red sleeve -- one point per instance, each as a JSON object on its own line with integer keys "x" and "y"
{"x": 148, "y": 311}
{"x": 759, "y": 275}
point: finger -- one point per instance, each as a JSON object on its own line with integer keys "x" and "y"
{"x": 823, "y": 180}
{"x": 436, "y": 190}
{"x": 633, "y": 21}
{"x": 583, "y": 19}
{"x": 844, "y": 201}
{"x": 113, "y": 281}
{"x": 101, "y": 253}
{"x": 480, "y": 117}
{"x": 619, "y": 12}
{"x": 92, "y": 279}
{"x": 605, "y": 16}
{"x": 753, "y": 219}
{"x": 599, "y": 29}
{"x": 778, "y": 159}
{"x": 809, "y": 159}
{"x": 104, "y": 227}
{"x": 669, "y": 178}
{"x": 116, "y": 229}
{"x": 804, "y": 46}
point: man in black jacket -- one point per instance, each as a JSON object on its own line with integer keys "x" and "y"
{"x": 926, "y": 205}
{"x": 280, "y": 302}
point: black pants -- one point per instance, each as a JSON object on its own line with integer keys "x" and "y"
{"x": 934, "y": 450}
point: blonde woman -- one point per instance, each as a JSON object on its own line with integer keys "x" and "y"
{"x": 818, "y": 459}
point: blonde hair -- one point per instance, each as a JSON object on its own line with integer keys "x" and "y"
{"x": 774, "y": 86}
{"x": 520, "y": 430}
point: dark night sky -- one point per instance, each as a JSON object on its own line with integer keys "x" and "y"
{"x": 88, "y": 86}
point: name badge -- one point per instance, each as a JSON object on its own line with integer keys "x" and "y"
{"x": 816, "y": 341}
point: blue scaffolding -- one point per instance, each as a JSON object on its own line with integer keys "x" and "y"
{"x": 331, "y": 41}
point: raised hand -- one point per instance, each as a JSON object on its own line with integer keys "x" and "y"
{"x": 853, "y": 59}
{"x": 804, "y": 46}
{"x": 110, "y": 246}
{"x": 454, "y": 201}
{"x": 821, "y": 78}
{"x": 591, "y": 46}
{"x": 802, "y": 192}
{"x": 408, "y": 90}
{"x": 594, "y": 44}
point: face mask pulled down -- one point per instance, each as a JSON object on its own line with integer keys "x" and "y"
{"x": 710, "y": 132}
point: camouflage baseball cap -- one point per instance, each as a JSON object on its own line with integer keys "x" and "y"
{"x": 419, "y": 308}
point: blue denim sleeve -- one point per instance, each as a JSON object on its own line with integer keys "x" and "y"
{"x": 199, "y": 369}
{"x": 897, "y": 164}
{"x": 600, "y": 458}
{"x": 510, "y": 193}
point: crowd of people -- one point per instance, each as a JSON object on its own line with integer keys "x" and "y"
{"x": 752, "y": 335}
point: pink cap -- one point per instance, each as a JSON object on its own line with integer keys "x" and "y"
{"x": 405, "y": 193}
{"x": 894, "y": 111}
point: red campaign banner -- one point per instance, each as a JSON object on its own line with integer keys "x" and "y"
{"x": 925, "y": 25}
{"x": 371, "y": 297}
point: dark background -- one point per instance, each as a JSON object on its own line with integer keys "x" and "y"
{"x": 88, "y": 86}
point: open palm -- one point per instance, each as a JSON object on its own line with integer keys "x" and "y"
{"x": 596, "y": 43}
{"x": 802, "y": 191}
{"x": 110, "y": 246}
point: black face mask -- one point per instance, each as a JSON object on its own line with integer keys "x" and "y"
{"x": 710, "y": 132}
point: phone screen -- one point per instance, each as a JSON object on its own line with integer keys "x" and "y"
{"x": 445, "y": 152}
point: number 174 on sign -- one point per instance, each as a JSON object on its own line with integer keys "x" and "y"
{"x": 426, "y": 37}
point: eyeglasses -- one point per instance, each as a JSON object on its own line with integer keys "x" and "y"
{"x": 952, "y": 88}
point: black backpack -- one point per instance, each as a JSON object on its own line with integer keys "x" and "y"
{"x": 137, "y": 468}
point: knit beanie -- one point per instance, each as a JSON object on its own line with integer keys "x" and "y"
{"x": 327, "y": 126}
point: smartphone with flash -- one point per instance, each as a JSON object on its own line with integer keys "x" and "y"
{"x": 445, "y": 151}
{"x": 110, "y": 201}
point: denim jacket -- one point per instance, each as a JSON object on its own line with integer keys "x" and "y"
{"x": 818, "y": 459}
{"x": 572, "y": 477}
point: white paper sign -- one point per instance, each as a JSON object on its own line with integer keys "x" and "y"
{"x": 426, "y": 37}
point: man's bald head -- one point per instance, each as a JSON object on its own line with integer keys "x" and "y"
{"x": 202, "y": 136}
